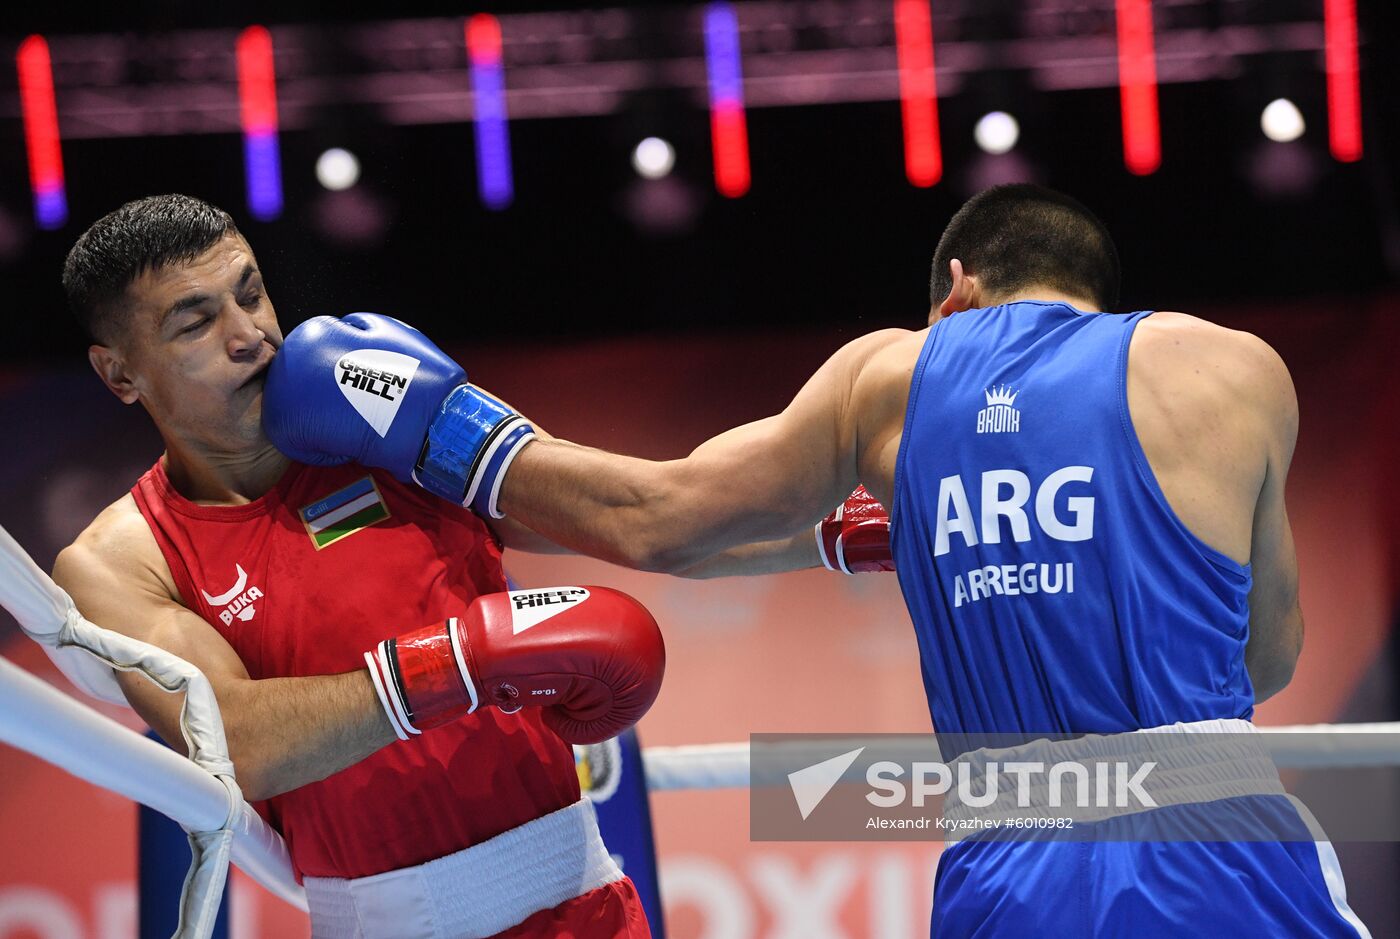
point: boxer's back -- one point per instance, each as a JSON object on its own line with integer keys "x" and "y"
{"x": 1070, "y": 531}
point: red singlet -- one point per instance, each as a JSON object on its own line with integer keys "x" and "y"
{"x": 302, "y": 582}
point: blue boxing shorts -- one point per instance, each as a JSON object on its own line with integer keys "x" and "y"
{"x": 1226, "y": 852}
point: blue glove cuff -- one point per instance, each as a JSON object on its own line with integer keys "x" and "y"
{"x": 470, "y": 444}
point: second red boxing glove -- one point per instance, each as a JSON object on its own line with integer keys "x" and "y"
{"x": 855, "y": 539}
{"x": 593, "y": 656}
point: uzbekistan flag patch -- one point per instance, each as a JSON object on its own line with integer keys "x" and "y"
{"x": 344, "y": 512}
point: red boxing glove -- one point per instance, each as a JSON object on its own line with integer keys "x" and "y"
{"x": 855, "y": 539}
{"x": 591, "y": 655}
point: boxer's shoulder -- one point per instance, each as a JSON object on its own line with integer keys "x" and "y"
{"x": 117, "y": 547}
{"x": 887, "y": 356}
{"x": 886, "y": 362}
{"x": 1167, "y": 331}
{"x": 1192, "y": 355}
{"x": 887, "y": 341}
{"x": 118, "y": 533}
{"x": 858, "y": 377}
{"x": 1213, "y": 408}
{"x": 1199, "y": 338}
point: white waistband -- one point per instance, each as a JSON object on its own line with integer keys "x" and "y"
{"x": 1195, "y": 762}
{"x": 477, "y": 892}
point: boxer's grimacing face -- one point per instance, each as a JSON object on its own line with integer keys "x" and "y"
{"x": 196, "y": 341}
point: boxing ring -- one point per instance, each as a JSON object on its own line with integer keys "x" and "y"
{"x": 201, "y": 793}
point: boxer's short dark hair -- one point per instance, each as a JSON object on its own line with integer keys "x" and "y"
{"x": 1022, "y": 235}
{"x": 141, "y": 236}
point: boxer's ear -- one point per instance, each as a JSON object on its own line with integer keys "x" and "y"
{"x": 963, "y": 295}
{"x": 110, "y": 366}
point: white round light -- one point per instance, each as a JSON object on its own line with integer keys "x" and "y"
{"x": 997, "y": 132}
{"x": 1282, "y": 121}
{"x": 653, "y": 158}
{"x": 337, "y": 169}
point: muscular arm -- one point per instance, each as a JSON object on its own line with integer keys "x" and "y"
{"x": 798, "y": 552}
{"x": 282, "y": 732}
{"x": 755, "y": 483}
{"x": 1275, "y": 619}
{"x": 779, "y": 556}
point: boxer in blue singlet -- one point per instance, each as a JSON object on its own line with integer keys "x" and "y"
{"x": 1089, "y": 530}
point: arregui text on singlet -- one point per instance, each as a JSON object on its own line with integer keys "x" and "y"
{"x": 302, "y": 582}
{"x": 1052, "y": 587}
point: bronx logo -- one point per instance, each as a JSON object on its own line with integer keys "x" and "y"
{"x": 532, "y": 607}
{"x": 1000, "y": 416}
{"x": 375, "y": 381}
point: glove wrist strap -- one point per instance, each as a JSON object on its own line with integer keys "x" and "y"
{"x": 830, "y": 543}
{"x": 422, "y": 679}
{"x": 470, "y": 445}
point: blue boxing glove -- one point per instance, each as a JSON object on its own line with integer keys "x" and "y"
{"x": 373, "y": 390}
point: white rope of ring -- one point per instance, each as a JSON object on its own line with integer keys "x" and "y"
{"x": 199, "y": 793}
{"x": 727, "y": 765}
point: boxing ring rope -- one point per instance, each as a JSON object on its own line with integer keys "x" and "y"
{"x": 199, "y": 793}
{"x": 727, "y": 766}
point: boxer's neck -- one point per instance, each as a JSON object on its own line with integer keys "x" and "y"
{"x": 974, "y": 297}
{"x": 223, "y": 478}
{"x": 1047, "y": 295}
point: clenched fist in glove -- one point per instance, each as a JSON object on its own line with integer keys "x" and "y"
{"x": 590, "y": 655}
{"x": 855, "y": 539}
{"x": 371, "y": 389}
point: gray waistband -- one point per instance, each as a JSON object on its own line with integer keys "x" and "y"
{"x": 1102, "y": 776}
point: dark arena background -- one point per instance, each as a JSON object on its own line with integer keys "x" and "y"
{"x": 646, "y": 223}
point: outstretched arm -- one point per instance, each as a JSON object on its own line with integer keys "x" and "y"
{"x": 755, "y": 483}
{"x": 779, "y": 556}
{"x": 854, "y": 538}
{"x": 797, "y": 553}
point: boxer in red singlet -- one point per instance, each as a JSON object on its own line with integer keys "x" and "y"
{"x": 275, "y": 577}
